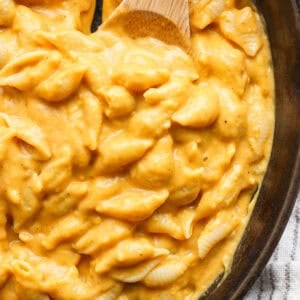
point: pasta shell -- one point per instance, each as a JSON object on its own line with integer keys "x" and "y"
{"x": 100, "y": 189}
{"x": 206, "y": 12}
{"x": 185, "y": 183}
{"x": 62, "y": 84}
{"x": 136, "y": 273}
{"x": 84, "y": 118}
{"x": 187, "y": 217}
{"x": 119, "y": 101}
{"x": 208, "y": 241}
{"x": 122, "y": 149}
{"x": 127, "y": 253}
{"x": 176, "y": 89}
{"x": 164, "y": 223}
{"x": 221, "y": 59}
{"x": 88, "y": 244}
{"x": 223, "y": 194}
{"x": 260, "y": 122}
{"x": 251, "y": 43}
{"x": 60, "y": 204}
{"x": 97, "y": 75}
{"x": 92, "y": 111}
{"x": 217, "y": 157}
{"x": 241, "y": 27}
{"x": 232, "y": 119}
{"x": 155, "y": 168}
{"x": 166, "y": 272}
{"x": 150, "y": 122}
{"x": 57, "y": 173}
{"x": 27, "y": 70}
{"x": 138, "y": 71}
{"x": 111, "y": 294}
{"x": 179, "y": 226}
{"x": 133, "y": 206}
{"x": 66, "y": 228}
{"x": 215, "y": 231}
{"x": 74, "y": 40}
{"x": 200, "y": 110}
{"x": 133, "y": 251}
{"x": 28, "y": 200}
{"x": 29, "y": 132}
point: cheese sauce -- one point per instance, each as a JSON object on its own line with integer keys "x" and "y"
{"x": 127, "y": 167}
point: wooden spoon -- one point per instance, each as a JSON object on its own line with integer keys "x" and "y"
{"x": 166, "y": 20}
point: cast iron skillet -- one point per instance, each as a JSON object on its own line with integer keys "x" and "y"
{"x": 282, "y": 181}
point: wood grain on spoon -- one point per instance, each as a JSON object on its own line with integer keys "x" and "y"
{"x": 166, "y": 20}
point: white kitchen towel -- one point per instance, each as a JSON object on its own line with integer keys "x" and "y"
{"x": 280, "y": 280}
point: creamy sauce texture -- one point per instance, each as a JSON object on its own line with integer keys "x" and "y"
{"x": 127, "y": 167}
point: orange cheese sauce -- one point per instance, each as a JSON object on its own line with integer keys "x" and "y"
{"x": 127, "y": 167}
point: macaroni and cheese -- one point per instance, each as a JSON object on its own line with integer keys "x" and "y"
{"x": 127, "y": 167}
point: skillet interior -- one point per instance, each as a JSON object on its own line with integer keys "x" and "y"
{"x": 281, "y": 184}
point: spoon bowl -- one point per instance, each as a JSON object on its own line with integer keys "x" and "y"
{"x": 166, "y": 20}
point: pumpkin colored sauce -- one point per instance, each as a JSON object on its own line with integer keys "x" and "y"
{"x": 127, "y": 167}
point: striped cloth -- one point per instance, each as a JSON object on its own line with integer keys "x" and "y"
{"x": 281, "y": 278}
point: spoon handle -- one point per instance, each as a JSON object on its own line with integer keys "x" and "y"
{"x": 175, "y": 10}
